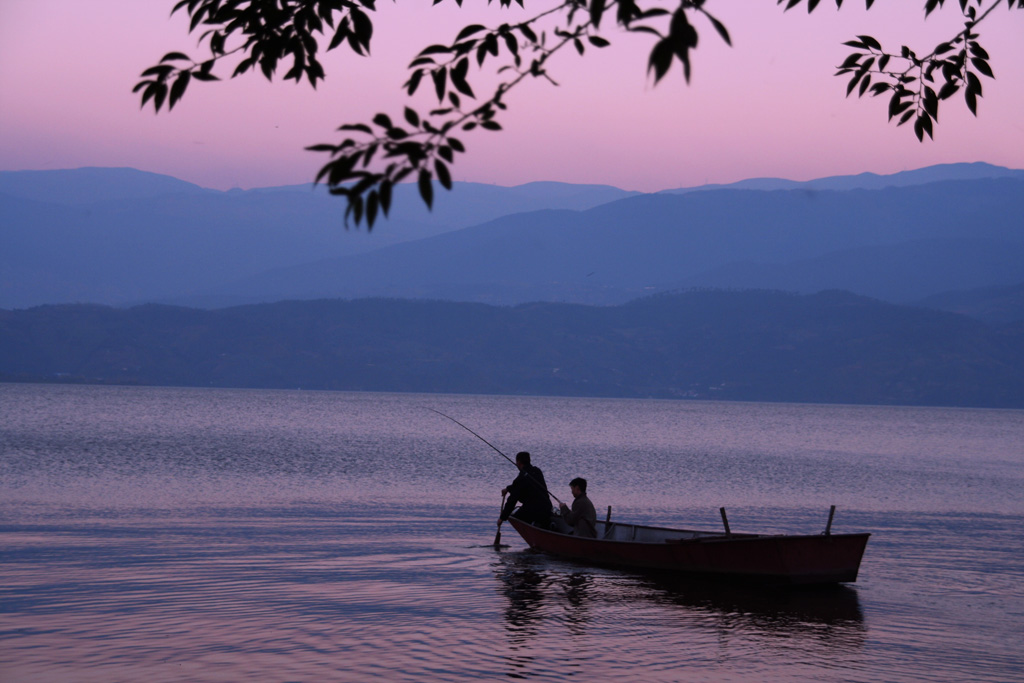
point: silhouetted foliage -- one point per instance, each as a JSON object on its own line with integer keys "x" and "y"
{"x": 375, "y": 155}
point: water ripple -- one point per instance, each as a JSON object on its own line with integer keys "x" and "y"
{"x": 168, "y": 535}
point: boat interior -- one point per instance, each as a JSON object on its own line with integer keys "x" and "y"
{"x": 614, "y": 531}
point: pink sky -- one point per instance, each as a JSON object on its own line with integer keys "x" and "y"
{"x": 769, "y": 106}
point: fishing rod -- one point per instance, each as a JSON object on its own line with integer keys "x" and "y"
{"x": 495, "y": 449}
{"x": 474, "y": 434}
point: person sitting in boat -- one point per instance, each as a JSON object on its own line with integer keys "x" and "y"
{"x": 529, "y": 489}
{"x": 582, "y": 517}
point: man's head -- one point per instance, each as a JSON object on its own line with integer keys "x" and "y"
{"x": 522, "y": 459}
{"x": 578, "y": 486}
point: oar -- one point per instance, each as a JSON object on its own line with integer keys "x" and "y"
{"x": 497, "y": 535}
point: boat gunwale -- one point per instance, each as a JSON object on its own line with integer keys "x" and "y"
{"x": 699, "y": 537}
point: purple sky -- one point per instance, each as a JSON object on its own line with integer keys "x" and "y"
{"x": 769, "y": 106}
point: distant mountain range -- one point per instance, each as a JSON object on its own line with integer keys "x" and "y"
{"x": 992, "y": 304}
{"x": 753, "y": 345}
{"x": 121, "y": 237}
{"x": 871, "y": 181}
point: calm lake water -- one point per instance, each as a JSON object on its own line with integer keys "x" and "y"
{"x": 166, "y": 534}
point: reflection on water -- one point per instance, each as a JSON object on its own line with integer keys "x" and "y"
{"x": 797, "y": 610}
{"x": 523, "y": 585}
{"x": 671, "y": 627}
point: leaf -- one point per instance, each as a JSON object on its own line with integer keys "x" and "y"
{"x": 385, "y": 196}
{"x": 443, "y": 176}
{"x": 948, "y": 90}
{"x": 355, "y": 204}
{"x": 978, "y": 51}
{"x": 682, "y": 33}
{"x": 458, "y": 74}
{"x": 159, "y": 71}
{"x": 361, "y": 127}
{"x": 927, "y": 126}
{"x": 931, "y": 103}
{"x": 864, "y": 86}
{"x": 160, "y": 96}
{"x": 426, "y": 188}
{"x": 440, "y": 81}
{"x": 598, "y": 41}
{"x": 720, "y": 27}
{"x": 469, "y": 30}
{"x": 660, "y": 59}
{"x": 513, "y": 45}
{"x": 870, "y": 42}
{"x": 368, "y": 155}
{"x": 897, "y": 106}
{"x": 851, "y": 61}
{"x": 853, "y": 82}
{"x": 413, "y": 83}
{"x": 151, "y": 87}
{"x": 243, "y": 66}
{"x": 434, "y": 49}
{"x": 372, "y": 202}
{"x": 982, "y": 66}
{"x": 171, "y": 56}
{"x": 971, "y": 98}
{"x": 363, "y": 29}
{"x": 974, "y": 91}
{"x": 412, "y": 117}
{"x": 340, "y": 36}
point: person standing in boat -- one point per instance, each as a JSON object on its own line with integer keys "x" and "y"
{"x": 582, "y": 517}
{"x": 530, "y": 490}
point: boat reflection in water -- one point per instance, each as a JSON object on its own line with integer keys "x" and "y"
{"x": 647, "y": 626}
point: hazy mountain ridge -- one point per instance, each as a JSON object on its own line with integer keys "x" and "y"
{"x": 994, "y": 305}
{"x": 114, "y": 235}
{"x": 626, "y": 248}
{"x": 900, "y": 273}
{"x": 123, "y": 236}
{"x": 91, "y": 185}
{"x": 828, "y": 347}
{"x": 871, "y": 181}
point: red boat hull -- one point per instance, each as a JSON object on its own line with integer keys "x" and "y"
{"x": 816, "y": 559}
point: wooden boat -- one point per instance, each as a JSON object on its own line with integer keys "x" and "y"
{"x": 776, "y": 559}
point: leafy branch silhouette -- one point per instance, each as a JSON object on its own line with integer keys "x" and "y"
{"x": 376, "y": 155}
